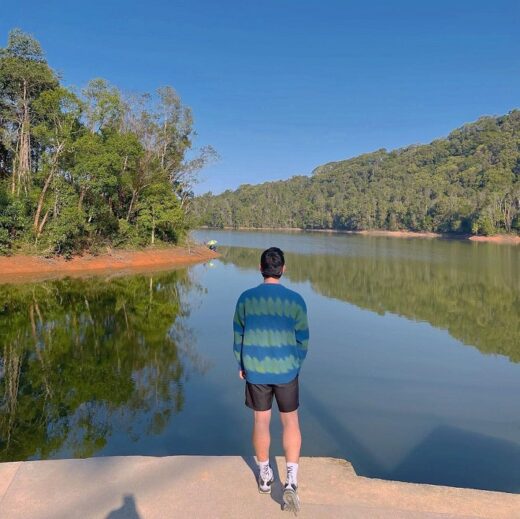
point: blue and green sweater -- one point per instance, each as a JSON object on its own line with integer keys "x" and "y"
{"x": 271, "y": 333}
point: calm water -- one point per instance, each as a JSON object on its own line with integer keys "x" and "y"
{"x": 413, "y": 371}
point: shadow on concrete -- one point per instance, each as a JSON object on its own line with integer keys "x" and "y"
{"x": 276, "y": 491}
{"x": 459, "y": 458}
{"x": 126, "y": 511}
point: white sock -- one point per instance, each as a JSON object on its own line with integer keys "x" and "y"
{"x": 292, "y": 473}
{"x": 262, "y": 465}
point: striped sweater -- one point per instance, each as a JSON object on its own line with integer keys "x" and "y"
{"x": 271, "y": 333}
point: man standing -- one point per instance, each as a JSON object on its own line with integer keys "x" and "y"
{"x": 271, "y": 335}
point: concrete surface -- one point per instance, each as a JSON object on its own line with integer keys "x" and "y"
{"x": 138, "y": 487}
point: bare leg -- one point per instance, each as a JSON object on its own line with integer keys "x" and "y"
{"x": 261, "y": 435}
{"x": 292, "y": 438}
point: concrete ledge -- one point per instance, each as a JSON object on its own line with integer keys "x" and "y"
{"x": 138, "y": 487}
{"x": 7, "y": 474}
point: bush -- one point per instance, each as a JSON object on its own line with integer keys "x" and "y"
{"x": 483, "y": 225}
{"x": 5, "y": 241}
{"x": 516, "y": 223}
{"x": 127, "y": 235}
{"x": 68, "y": 233}
{"x": 12, "y": 221}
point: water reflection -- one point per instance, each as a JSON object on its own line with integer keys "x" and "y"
{"x": 108, "y": 366}
{"x": 445, "y": 455}
{"x": 479, "y": 307}
{"x": 81, "y": 358}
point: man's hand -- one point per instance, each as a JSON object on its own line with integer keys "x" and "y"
{"x": 242, "y": 374}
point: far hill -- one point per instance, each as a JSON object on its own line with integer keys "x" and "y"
{"x": 468, "y": 182}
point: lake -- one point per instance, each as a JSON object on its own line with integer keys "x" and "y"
{"x": 413, "y": 371}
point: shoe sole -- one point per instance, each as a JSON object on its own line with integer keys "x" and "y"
{"x": 266, "y": 491}
{"x": 291, "y": 501}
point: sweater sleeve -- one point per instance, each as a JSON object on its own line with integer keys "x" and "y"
{"x": 238, "y": 331}
{"x": 301, "y": 330}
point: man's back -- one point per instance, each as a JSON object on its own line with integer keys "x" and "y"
{"x": 270, "y": 333}
{"x": 270, "y": 343}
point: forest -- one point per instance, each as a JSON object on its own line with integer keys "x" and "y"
{"x": 83, "y": 169}
{"x": 467, "y": 183}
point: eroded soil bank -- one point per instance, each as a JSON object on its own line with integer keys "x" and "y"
{"x": 27, "y": 268}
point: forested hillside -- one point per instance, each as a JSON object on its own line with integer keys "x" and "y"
{"x": 83, "y": 169}
{"x": 466, "y": 183}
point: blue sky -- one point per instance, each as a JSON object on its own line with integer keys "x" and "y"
{"x": 279, "y": 87}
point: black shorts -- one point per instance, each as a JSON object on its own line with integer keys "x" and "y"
{"x": 260, "y": 396}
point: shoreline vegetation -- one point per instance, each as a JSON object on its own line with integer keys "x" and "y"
{"x": 86, "y": 169}
{"x": 509, "y": 239}
{"x": 24, "y": 268}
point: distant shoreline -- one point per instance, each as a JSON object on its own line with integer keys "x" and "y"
{"x": 510, "y": 239}
{"x": 23, "y": 268}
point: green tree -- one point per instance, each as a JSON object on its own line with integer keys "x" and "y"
{"x": 24, "y": 75}
{"x": 59, "y": 111}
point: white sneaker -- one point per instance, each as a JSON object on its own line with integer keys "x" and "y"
{"x": 290, "y": 498}
{"x": 265, "y": 479}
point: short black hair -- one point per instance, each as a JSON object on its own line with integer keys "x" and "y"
{"x": 272, "y": 262}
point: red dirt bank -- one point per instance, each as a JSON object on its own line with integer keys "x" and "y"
{"x": 498, "y": 238}
{"x": 25, "y": 268}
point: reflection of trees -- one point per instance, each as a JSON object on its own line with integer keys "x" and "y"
{"x": 476, "y": 298}
{"x": 80, "y": 358}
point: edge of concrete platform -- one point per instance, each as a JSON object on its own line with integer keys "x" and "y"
{"x": 8, "y": 473}
{"x": 155, "y": 487}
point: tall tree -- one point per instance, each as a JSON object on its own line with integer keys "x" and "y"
{"x": 59, "y": 111}
{"x": 24, "y": 75}
{"x": 104, "y": 106}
